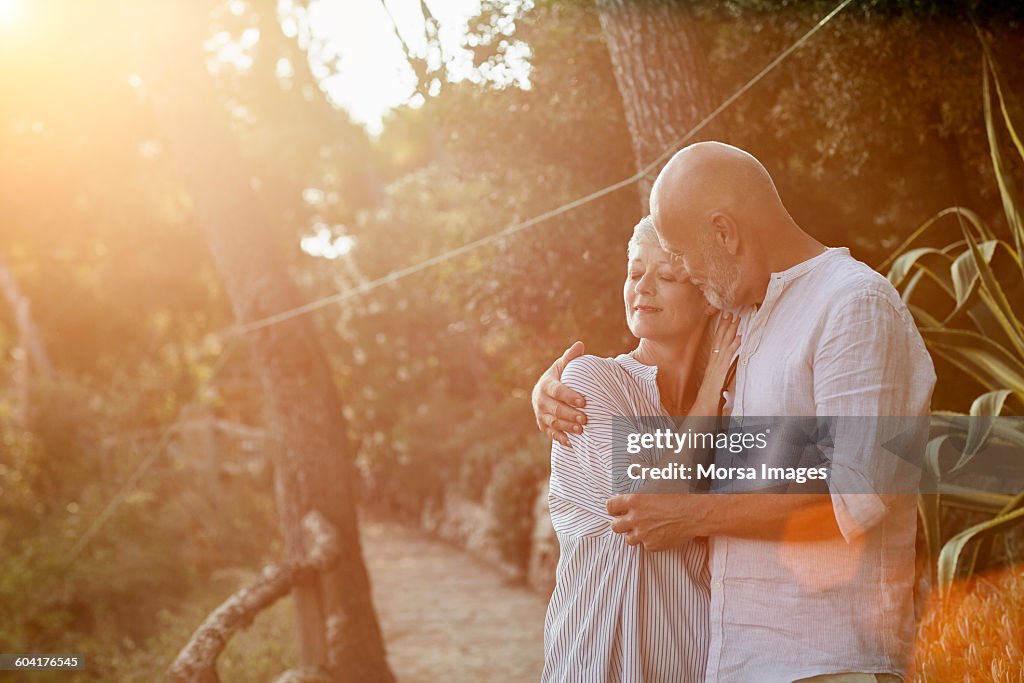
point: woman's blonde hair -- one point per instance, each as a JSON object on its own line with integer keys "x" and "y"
{"x": 642, "y": 233}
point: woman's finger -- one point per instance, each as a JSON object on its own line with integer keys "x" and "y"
{"x": 729, "y": 328}
{"x": 726, "y": 329}
{"x": 734, "y": 345}
{"x": 719, "y": 336}
{"x": 720, "y": 325}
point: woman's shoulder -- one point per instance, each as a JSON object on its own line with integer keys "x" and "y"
{"x": 593, "y": 372}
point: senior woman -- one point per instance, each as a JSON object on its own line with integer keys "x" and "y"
{"x": 618, "y": 612}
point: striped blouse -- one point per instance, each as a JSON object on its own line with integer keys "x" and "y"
{"x": 618, "y": 613}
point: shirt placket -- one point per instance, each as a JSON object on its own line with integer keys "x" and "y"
{"x": 753, "y": 338}
{"x": 720, "y": 555}
{"x": 716, "y": 612}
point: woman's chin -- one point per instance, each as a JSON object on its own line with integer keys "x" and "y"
{"x": 669, "y": 335}
{"x": 658, "y": 336}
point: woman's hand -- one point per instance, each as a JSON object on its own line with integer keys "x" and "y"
{"x": 723, "y": 347}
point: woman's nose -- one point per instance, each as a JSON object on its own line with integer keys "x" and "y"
{"x": 645, "y": 284}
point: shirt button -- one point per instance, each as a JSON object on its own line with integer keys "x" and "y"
{"x": 716, "y": 584}
{"x": 744, "y": 361}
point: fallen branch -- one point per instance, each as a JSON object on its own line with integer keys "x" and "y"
{"x": 197, "y": 661}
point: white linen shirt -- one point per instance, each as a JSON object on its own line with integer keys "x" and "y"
{"x": 831, "y": 338}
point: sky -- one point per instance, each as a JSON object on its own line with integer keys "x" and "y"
{"x": 354, "y": 52}
{"x": 353, "y": 49}
{"x": 362, "y": 65}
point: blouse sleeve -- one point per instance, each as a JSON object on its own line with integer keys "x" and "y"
{"x": 581, "y": 477}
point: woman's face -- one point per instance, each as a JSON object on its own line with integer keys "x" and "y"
{"x": 661, "y": 302}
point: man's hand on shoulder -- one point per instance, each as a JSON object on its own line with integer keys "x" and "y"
{"x": 555, "y": 405}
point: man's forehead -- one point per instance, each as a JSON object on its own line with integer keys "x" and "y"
{"x": 672, "y": 220}
{"x": 674, "y": 255}
{"x": 672, "y": 246}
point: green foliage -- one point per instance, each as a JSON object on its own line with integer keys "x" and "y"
{"x": 258, "y": 653}
{"x": 872, "y": 124}
{"x": 955, "y": 562}
{"x": 960, "y": 295}
{"x": 513, "y": 494}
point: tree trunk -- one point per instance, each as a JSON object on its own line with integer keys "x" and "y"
{"x": 658, "y": 54}
{"x": 303, "y": 409}
{"x": 31, "y": 353}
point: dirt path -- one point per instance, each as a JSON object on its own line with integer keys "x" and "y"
{"x": 447, "y": 617}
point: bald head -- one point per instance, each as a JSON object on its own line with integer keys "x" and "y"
{"x": 717, "y": 206}
{"x": 712, "y": 176}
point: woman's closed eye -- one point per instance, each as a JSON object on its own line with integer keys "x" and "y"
{"x": 664, "y": 276}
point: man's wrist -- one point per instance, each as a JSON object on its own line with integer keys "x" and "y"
{"x": 707, "y": 519}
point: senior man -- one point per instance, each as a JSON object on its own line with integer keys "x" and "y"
{"x": 805, "y": 587}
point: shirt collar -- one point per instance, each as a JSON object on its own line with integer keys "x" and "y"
{"x": 810, "y": 264}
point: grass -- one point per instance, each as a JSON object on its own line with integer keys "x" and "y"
{"x": 975, "y": 634}
{"x": 259, "y": 653}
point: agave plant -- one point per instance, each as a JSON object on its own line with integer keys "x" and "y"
{"x": 967, "y": 298}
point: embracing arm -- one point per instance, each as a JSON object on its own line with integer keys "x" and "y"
{"x": 662, "y": 521}
{"x": 557, "y": 408}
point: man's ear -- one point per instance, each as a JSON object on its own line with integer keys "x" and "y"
{"x": 725, "y": 232}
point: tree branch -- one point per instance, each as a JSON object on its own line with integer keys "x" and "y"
{"x": 197, "y": 661}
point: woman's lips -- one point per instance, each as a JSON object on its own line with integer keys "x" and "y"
{"x": 646, "y": 309}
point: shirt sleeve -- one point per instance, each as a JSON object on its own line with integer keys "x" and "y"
{"x": 581, "y": 477}
{"x": 874, "y": 379}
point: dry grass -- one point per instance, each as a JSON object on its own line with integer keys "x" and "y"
{"x": 975, "y": 635}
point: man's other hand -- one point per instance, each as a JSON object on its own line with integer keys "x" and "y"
{"x": 656, "y": 520}
{"x": 555, "y": 405}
